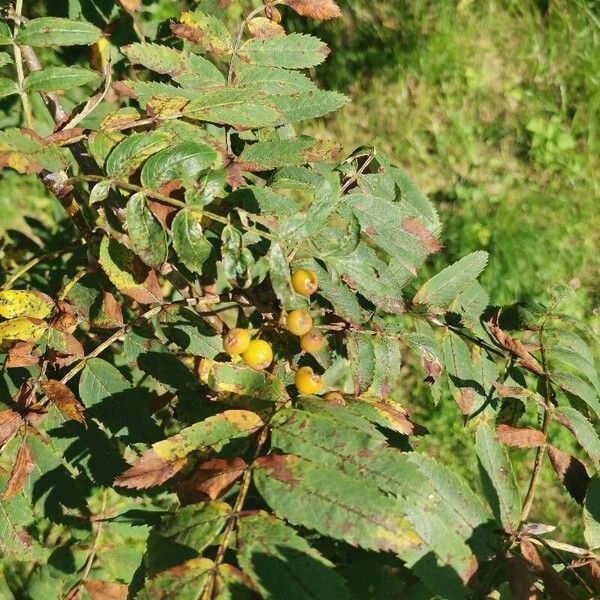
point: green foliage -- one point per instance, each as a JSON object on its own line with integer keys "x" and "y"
{"x": 138, "y": 459}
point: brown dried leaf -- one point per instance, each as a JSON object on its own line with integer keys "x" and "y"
{"x": 10, "y": 421}
{"x": 571, "y": 471}
{"x": 519, "y": 578}
{"x": 163, "y": 212}
{"x": 105, "y": 590}
{"x": 64, "y": 399}
{"x": 521, "y": 437}
{"x": 594, "y": 569}
{"x": 509, "y": 392}
{"x": 210, "y": 480}
{"x": 131, "y": 5}
{"x": 149, "y": 470}
{"x": 554, "y": 585}
{"x": 235, "y": 177}
{"x": 315, "y": 9}
{"x": 19, "y": 355}
{"x": 20, "y": 472}
{"x": 517, "y": 348}
{"x": 465, "y": 399}
{"x": 66, "y": 321}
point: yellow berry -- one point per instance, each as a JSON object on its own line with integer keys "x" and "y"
{"x": 305, "y": 282}
{"x": 307, "y": 381}
{"x": 258, "y": 355}
{"x": 236, "y": 341}
{"x": 299, "y": 322}
{"x": 312, "y": 341}
{"x": 335, "y": 398}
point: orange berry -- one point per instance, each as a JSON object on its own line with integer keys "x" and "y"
{"x": 308, "y": 382}
{"x": 258, "y": 355}
{"x": 236, "y": 341}
{"x": 299, "y": 322}
{"x": 312, "y": 341}
{"x": 305, "y": 282}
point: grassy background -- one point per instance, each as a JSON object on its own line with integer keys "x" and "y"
{"x": 493, "y": 108}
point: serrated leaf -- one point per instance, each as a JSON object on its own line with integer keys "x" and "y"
{"x": 242, "y": 108}
{"x": 591, "y": 513}
{"x": 282, "y": 564}
{"x": 183, "y": 162}
{"x": 52, "y": 79}
{"x": 572, "y": 350}
{"x": 25, "y": 154}
{"x": 24, "y": 303}
{"x": 99, "y": 192}
{"x": 582, "y": 429}
{"x": 498, "y": 478}
{"x": 520, "y": 437}
{"x": 148, "y": 238}
{"x": 444, "y": 287}
{"x": 64, "y": 399}
{"x": 24, "y": 464}
{"x": 187, "y": 330}
{"x": 100, "y": 380}
{"x": 5, "y": 35}
{"x": 212, "y": 432}
{"x": 129, "y": 154}
{"x": 10, "y": 421}
{"x": 279, "y": 274}
{"x": 186, "y": 581}
{"x": 361, "y": 354}
{"x": 308, "y": 105}
{"x": 189, "y": 242}
{"x": 204, "y": 30}
{"x": 128, "y": 273}
{"x": 54, "y": 31}
{"x": 293, "y": 51}
{"x": 578, "y": 387}
{"x": 274, "y": 81}
{"x": 386, "y": 374}
{"x": 184, "y": 534}
{"x": 333, "y": 504}
{"x": 25, "y": 329}
{"x": 461, "y": 375}
{"x": 315, "y": 9}
{"x": 155, "y": 57}
{"x": 8, "y": 87}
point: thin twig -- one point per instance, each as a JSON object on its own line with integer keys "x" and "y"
{"x": 19, "y": 67}
{"x": 358, "y": 173}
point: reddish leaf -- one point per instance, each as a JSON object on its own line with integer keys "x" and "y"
{"x": 571, "y": 471}
{"x": 517, "y": 348}
{"x": 521, "y": 437}
{"x": 415, "y": 227}
{"x": 594, "y": 569}
{"x": 465, "y": 399}
{"x": 110, "y": 315}
{"x": 509, "y": 392}
{"x": 149, "y": 470}
{"x": 64, "y": 399}
{"x": 210, "y": 480}
{"x": 315, "y": 9}
{"x": 22, "y": 468}
{"x": 10, "y": 421}
{"x": 19, "y": 355}
{"x": 65, "y": 349}
{"x": 163, "y": 212}
{"x": 519, "y": 578}
{"x": 554, "y": 585}
{"x": 105, "y": 590}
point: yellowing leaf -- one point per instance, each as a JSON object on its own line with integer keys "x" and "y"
{"x": 25, "y": 329}
{"x": 315, "y": 9}
{"x": 24, "y": 303}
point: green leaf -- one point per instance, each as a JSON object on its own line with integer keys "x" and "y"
{"x": 282, "y": 564}
{"x": 578, "y": 387}
{"x": 582, "y": 429}
{"x": 498, "y": 478}
{"x": 386, "y": 374}
{"x": 239, "y": 107}
{"x": 443, "y": 288}
{"x": 183, "y": 582}
{"x": 52, "y": 79}
{"x": 572, "y": 350}
{"x": 8, "y": 87}
{"x": 413, "y": 195}
{"x": 187, "y": 329}
{"x": 184, "y": 534}
{"x": 5, "y": 35}
{"x": 461, "y": 374}
{"x": 129, "y": 154}
{"x": 281, "y": 280}
{"x": 148, "y": 238}
{"x": 27, "y": 155}
{"x": 53, "y": 31}
{"x": 591, "y": 513}
{"x": 334, "y": 504}
{"x": 308, "y": 105}
{"x": 275, "y": 82}
{"x": 183, "y": 162}
{"x": 205, "y": 31}
{"x": 293, "y": 51}
{"x": 155, "y": 57}
{"x": 99, "y": 193}
{"x": 197, "y": 72}
{"x": 212, "y": 432}
{"x": 189, "y": 242}
{"x": 99, "y": 381}
{"x": 361, "y": 354}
